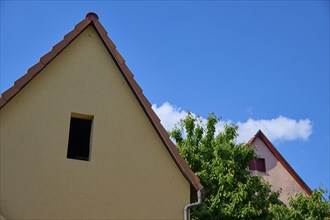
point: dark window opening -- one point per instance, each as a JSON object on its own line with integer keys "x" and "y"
{"x": 79, "y": 138}
{"x": 258, "y": 165}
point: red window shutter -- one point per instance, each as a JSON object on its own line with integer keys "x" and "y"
{"x": 258, "y": 165}
{"x": 261, "y": 166}
{"x": 252, "y": 165}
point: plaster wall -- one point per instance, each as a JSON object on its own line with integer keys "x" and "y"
{"x": 130, "y": 174}
{"x": 276, "y": 174}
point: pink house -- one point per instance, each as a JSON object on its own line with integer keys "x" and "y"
{"x": 275, "y": 169}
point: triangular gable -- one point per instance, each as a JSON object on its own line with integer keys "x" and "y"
{"x": 92, "y": 19}
{"x": 281, "y": 159}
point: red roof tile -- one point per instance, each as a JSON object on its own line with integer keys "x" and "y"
{"x": 48, "y": 57}
{"x": 281, "y": 159}
{"x": 92, "y": 19}
{"x": 7, "y": 95}
{"x": 60, "y": 46}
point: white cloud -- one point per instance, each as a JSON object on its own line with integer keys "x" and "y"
{"x": 280, "y": 128}
{"x": 169, "y": 114}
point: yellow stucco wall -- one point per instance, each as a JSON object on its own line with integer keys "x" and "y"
{"x": 130, "y": 175}
{"x": 276, "y": 174}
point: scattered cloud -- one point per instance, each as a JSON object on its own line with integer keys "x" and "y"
{"x": 276, "y": 129}
{"x": 280, "y": 128}
{"x": 249, "y": 110}
{"x": 169, "y": 114}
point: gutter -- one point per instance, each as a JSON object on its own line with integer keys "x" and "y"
{"x": 191, "y": 205}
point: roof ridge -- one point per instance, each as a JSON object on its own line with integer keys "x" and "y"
{"x": 92, "y": 19}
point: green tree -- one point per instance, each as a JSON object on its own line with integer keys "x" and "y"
{"x": 303, "y": 207}
{"x": 233, "y": 192}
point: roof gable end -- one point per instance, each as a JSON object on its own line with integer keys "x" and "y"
{"x": 92, "y": 19}
{"x": 281, "y": 159}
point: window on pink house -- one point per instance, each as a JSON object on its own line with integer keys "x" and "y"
{"x": 258, "y": 165}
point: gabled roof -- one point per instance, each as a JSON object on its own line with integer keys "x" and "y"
{"x": 92, "y": 19}
{"x": 281, "y": 159}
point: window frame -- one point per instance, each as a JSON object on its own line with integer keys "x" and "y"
{"x": 80, "y": 125}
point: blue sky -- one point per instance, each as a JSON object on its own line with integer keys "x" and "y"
{"x": 259, "y": 64}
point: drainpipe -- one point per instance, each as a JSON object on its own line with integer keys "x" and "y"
{"x": 187, "y": 207}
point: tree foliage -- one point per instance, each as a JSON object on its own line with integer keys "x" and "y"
{"x": 302, "y": 207}
{"x": 221, "y": 164}
{"x": 233, "y": 192}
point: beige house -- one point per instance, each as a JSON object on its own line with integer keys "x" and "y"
{"x": 275, "y": 169}
{"x": 79, "y": 140}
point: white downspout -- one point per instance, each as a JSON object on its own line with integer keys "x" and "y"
{"x": 187, "y": 207}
